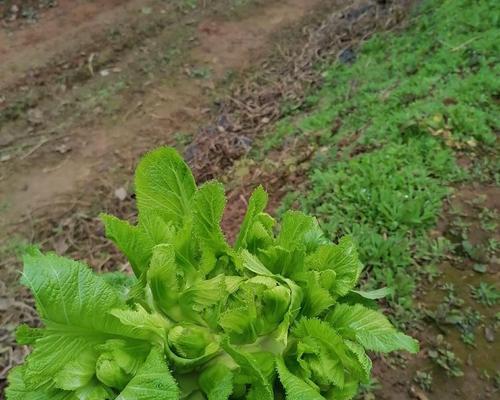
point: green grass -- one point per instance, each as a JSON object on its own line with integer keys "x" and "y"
{"x": 388, "y": 128}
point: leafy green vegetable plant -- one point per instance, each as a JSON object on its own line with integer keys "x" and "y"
{"x": 275, "y": 315}
{"x": 485, "y": 293}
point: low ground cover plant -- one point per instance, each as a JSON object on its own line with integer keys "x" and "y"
{"x": 388, "y": 127}
{"x": 276, "y": 315}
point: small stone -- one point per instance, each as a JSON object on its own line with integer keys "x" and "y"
{"x": 489, "y": 334}
{"x": 63, "y": 148}
{"x": 469, "y": 361}
{"x": 121, "y": 193}
{"x": 481, "y": 268}
{"x": 4, "y": 304}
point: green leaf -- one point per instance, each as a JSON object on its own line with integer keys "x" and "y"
{"x": 17, "y": 389}
{"x": 164, "y": 186}
{"x": 216, "y": 381}
{"x": 323, "y": 353}
{"x": 208, "y": 206}
{"x": 314, "y": 238}
{"x": 185, "y": 364}
{"x": 276, "y": 302}
{"x": 74, "y": 304}
{"x": 322, "y": 358}
{"x": 370, "y": 328}
{"x": 155, "y": 229}
{"x": 256, "y": 206}
{"x": 261, "y": 388}
{"x": 54, "y": 351}
{"x": 163, "y": 280}
{"x": 129, "y": 354}
{"x": 187, "y": 253}
{"x": 77, "y": 373}
{"x": 284, "y": 262}
{"x": 139, "y": 324}
{"x": 348, "y": 392}
{"x": 153, "y": 381}
{"x": 362, "y": 357}
{"x": 119, "y": 361}
{"x": 120, "y": 281}
{"x": 374, "y": 294}
{"x": 68, "y": 293}
{"x": 343, "y": 260}
{"x": 316, "y": 298}
{"x": 191, "y": 341}
{"x": 94, "y": 390}
{"x": 295, "y": 387}
{"x": 137, "y": 242}
{"x": 295, "y": 227}
{"x": 293, "y": 310}
{"x": 239, "y": 320}
{"x": 253, "y": 264}
{"x": 202, "y": 294}
{"x": 27, "y": 335}
{"x": 131, "y": 240}
{"x": 294, "y": 294}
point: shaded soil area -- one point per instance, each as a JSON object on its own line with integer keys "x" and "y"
{"x": 148, "y": 81}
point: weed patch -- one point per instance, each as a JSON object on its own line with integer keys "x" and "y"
{"x": 388, "y": 126}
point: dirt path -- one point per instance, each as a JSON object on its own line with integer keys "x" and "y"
{"x": 67, "y": 26}
{"x": 115, "y": 100}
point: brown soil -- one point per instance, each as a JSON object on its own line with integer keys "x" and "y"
{"x": 58, "y": 152}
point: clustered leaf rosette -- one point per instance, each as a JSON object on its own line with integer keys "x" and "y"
{"x": 276, "y": 315}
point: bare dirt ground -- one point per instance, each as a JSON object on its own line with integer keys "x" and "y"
{"x": 93, "y": 92}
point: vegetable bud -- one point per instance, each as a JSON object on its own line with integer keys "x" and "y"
{"x": 110, "y": 373}
{"x": 189, "y": 341}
